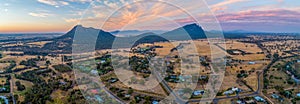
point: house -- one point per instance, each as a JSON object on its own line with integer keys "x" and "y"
{"x": 198, "y": 92}
{"x": 127, "y": 95}
{"x": 240, "y": 102}
{"x": 2, "y": 89}
{"x": 251, "y": 63}
{"x": 298, "y": 95}
{"x": 228, "y": 92}
{"x": 203, "y": 77}
{"x": 173, "y": 77}
{"x": 62, "y": 82}
{"x": 259, "y": 99}
{"x": 236, "y": 52}
{"x": 155, "y": 102}
{"x": 275, "y": 96}
{"x": 233, "y": 89}
{"x": 112, "y": 80}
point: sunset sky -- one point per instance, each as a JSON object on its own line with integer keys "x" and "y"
{"x": 61, "y": 15}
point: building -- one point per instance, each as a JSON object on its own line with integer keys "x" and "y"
{"x": 233, "y": 89}
{"x": 275, "y": 96}
{"x": 259, "y": 99}
{"x": 155, "y": 102}
{"x": 229, "y": 92}
{"x": 198, "y": 92}
{"x": 298, "y": 95}
{"x": 251, "y": 63}
{"x": 113, "y": 80}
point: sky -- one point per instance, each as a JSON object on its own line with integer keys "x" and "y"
{"x": 23, "y": 16}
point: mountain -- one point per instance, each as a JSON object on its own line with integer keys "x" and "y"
{"x": 187, "y": 32}
{"x": 83, "y": 36}
{"x": 105, "y": 40}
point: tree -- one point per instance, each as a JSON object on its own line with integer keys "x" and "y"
{"x": 130, "y": 90}
{"x": 20, "y": 87}
{"x": 48, "y": 62}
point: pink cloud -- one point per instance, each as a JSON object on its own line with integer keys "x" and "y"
{"x": 282, "y": 16}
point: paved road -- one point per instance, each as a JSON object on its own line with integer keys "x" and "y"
{"x": 12, "y": 89}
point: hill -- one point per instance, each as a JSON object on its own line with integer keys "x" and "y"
{"x": 105, "y": 40}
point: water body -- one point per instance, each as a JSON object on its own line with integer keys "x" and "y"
{"x": 5, "y": 99}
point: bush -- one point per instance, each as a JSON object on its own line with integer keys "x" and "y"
{"x": 62, "y": 68}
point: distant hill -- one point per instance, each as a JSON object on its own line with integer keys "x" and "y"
{"x": 130, "y": 33}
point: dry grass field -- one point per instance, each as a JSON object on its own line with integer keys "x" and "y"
{"x": 68, "y": 75}
{"x": 167, "y": 46}
{"x": 226, "y": 101}
{"x": 252, "y": 81}
{"x": 246, "y": 67}
{"x": 249, "y": 57}
{"x": 19, "y": 67}
{"x": 202, "y": 47}
{"x": 231, "y": 81}
{"x": 54, "y": 60}
{"x": 17, "y": 59}
{"x": 38, "y": 44}
{"x": 248, "y": 47}
{"x": 3, "y": 66}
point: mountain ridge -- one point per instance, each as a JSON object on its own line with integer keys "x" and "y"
{"x": 105, "y": 40}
